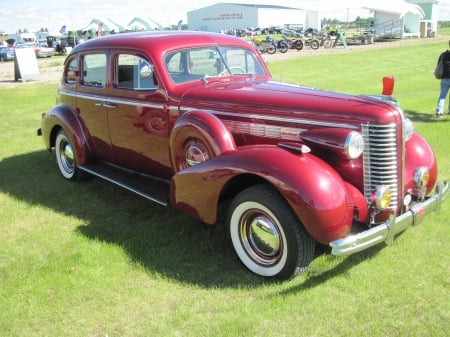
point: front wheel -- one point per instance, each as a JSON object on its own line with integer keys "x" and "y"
{"x": 271, "y": 49}
{"x": 283, "y": 47}
{"x": 65, "y": 157}
{"x": 266, "y": 234}
{"x": 327, "y": 43}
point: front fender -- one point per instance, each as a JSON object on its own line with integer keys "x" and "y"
{"x": 317, "y": 194}
{"x": 62, "y": 116}
{"x": 419, "y": 153}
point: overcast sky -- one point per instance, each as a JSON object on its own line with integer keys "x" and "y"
{"x": 36, "y": 14}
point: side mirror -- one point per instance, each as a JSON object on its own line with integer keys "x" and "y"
{"x": 147, "y": 70}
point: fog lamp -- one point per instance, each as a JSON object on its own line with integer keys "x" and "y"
{"x": 381, "y": 197}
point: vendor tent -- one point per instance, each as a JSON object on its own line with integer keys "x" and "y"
{"x": 139, "y": 23}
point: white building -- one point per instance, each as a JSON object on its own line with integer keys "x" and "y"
{"x": 225, "y": 16}
{"x": 409, "y": 18}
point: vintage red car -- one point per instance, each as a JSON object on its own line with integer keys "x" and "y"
{"x": 194, "y": 120}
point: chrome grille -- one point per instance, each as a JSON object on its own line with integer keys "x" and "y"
{"x": 381, "y": 163}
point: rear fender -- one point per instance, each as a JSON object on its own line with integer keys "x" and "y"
{"x": 323, "y": 202}
{"x": 62, "y": 117}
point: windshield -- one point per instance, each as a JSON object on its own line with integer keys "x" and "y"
{"x": 195, "y": 63}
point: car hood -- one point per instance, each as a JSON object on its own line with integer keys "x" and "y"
{"x": 283, "y": 99}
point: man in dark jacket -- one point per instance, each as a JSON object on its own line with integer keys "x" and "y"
{"x": 445, "y": 83}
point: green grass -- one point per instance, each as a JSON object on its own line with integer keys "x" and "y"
{"x": 93, "y": 260}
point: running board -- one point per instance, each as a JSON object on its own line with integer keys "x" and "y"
{"x": 154, "y": 189}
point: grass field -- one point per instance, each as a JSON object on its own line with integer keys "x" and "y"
{"x": 93, "y": 260}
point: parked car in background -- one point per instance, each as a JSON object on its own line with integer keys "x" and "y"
{"x": 194, "y": 120}
{"x": 43, "y": 50}
{"x": 6, "y": 54}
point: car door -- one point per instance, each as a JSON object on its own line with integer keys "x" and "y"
{"x": 138, "y": 116}
{"x": 92, "y": 102}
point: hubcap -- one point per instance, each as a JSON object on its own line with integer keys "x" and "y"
{"x": 67, "y": 157}
{"x": 260, "y": 238}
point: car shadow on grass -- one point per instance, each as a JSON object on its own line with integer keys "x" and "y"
{"x": 430, "y": 117}
{"x": 164, "y": 241}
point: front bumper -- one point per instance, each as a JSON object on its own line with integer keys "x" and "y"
{"x": 386, "y": 231}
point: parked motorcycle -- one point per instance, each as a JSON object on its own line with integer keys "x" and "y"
{"x": 282, "y": 46}
{"x": 266, "y": 46}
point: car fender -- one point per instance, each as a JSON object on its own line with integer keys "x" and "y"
{"x": 62, "y": 116}
{"x": 419, "y": 153}
{"x": 322, "y": 200}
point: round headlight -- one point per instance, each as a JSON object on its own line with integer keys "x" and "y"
{"x": 354, "y": 145}
{"x": 408, "y": 128}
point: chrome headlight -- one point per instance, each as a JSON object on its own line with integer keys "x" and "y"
{"x": 408, "y": 129}
{"x": 354, "y": 145}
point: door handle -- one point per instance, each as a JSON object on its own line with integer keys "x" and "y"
{"x": 106, "y": 105}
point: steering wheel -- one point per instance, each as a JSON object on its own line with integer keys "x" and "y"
{"x": 230, "y": 72}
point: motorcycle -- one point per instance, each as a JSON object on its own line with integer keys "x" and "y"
{"x": 266, "y": 46}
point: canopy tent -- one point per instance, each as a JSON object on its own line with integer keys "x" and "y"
{"x": 105, "y": 25}
{"x": 139, "y": 23}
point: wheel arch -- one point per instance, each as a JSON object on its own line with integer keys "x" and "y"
{"x": 62, "y": 117}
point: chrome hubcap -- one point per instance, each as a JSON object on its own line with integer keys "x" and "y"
{"x": 67, "y": 157}
{"x": 261, "y": 238}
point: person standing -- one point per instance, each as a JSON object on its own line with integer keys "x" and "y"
{"x": 443, "y": 73}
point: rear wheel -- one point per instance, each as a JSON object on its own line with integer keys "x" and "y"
{"x": 65, "y": 157}
{"x": 298, "y": 44}
{"x": 266, "y": 234}
{"x": 315, "y": 44}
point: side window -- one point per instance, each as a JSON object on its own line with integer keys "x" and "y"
{"x": 71, "y": 71}
{"x": 133, "y": 72}
{"x": 94, "y": 70}
{"x": 239, "y": 59}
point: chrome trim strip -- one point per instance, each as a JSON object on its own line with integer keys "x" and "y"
{"x": 263, "y": 130}
{"x": 277, "y": 119}
{"x": 108, "y": 99}
{"x": 134, "y": 103}
{"x": 386, "y": 231}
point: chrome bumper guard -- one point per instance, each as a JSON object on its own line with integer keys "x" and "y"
{"x": 386, "y": 231}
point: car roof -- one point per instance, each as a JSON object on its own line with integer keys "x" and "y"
{"x": 159, "y": 41}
